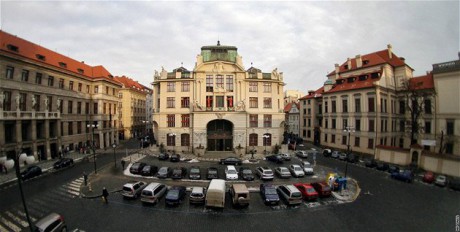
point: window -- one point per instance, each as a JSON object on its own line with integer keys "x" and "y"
{"x": 325, "y": 107}
{"x": 9, "y": 72}
{"x": 427, "y": 105}
{"x": 385, "y": 107}
{"x": 326, "y": 123}
{"x": 345, "y": 105}
{"x": 40, "y": 57}
{"x": 87, "y": 88}
{"x": 22, "y": 102}
{"x": 79, "y": 87}
{"x": 332, "y": 138}
{"x": 370, "y": 144}
{"x": 450, "y": 127}
{"x": 79, "y": 127}
{"x": 170, "y": 102}
{"x": 104, "y": 108}
{"x": 253, "y": 120}
{"x": 171, "y": 140}
{"x": 96, "y": 89}
{"x": 333, "y": 123}
{"x": 70, "y": 128}
{"x": 401, "y": 126}
{"x": 70, "y": 85}
{"x": 371, "y": 125}
{"x": 267, "y": 87}
{"x": 229, "y": 83}
{"x": 37, "y": 102}
{"x": 107, "y": 90}
{"x": 344, "y": 140}
{"x": 220, "y": 81}
{"x": 62, "y": 65}
{"x": 309, "y": 111}
{"x": 7, "y": 101}
{"x": 253, "y": 102}
{"x": 309, "y": 122}
{"x": 185, "y": 102}
{"x": 185, "y": 120}
{"x": 345, "y": 123}
{"x": 61, "y": 83}
{"x": 402, "y": 107}
{"x": 38, "y": 78}
{"x": 357, "y": 124}
{"x": 333, "y": 107}
{"x": 171, "y": 120}
{"x": 267, "y": 140}
{"x": 449, "y": 148}
{"x": 70, "y": 106}
{"x": 356, "y": 141}
{"x": 325, "y": 137}
{"x": 371, "y": 104}
{"x": 185, "y": 86}
{"x": 427, "y": 127}
{"x": 78, "y": 107}
{"x": 49, "y": 104}
{"x": 267, "y": 102}
{"x": 171, "y": 87}
{"x": 219, "y": 101}
{"x": 252, "y": 86}
{"x": 95, "y": 108}
{"x": 308, "y": 134}
{"x": 229, "y": 101}
{"x": 267, "y": 120}
{"x": 25, "y": 75}
{"x": 113, "y": 92}
{"x": 253, "y": 139}
{"x": 185, "y": 139}
{"x": 209, "y": 84}
{"x": 304, "y": 122}
{"x": 12, "y": 48}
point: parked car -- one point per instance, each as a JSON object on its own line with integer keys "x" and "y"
{"x": 403, "y": 175}
{"x": 265, "y": 173}
{"x": 327, "y": 152}
{"x": 149, "y": 170}
{"x": 393, "y": 168}
{"x": 153, "y": 192}
{"x": 137, "y": 167}
{"x": 352, "y": 158}
{"x": 269, "y": 194}
{"x": 370, "y": 163}
{"x": 246, "y": 174}
{"x": 343, "y": 156}
{"x": 195, "y": 173}
{"x": 163, "y": 156}
{"x": 301, "y": 154}
{"x": 285, "y": 156}
{"x": 441, "y": 181}
{"x": 322, "y": 188}
{"x": 178, "y": 173}
{"x": 133, "y": 189}
{"x": 275, "y": 159}
{"x": 164, "y": 172}
{"x": 212, "y": 173}
{"x": 51, "y": 222}
{"x": 231, "y": 161}
{"x": 64, "y": 162}
{"x": 231, "y": 173}
{"x": 239, "y": 194}
{"x": 381, "y": 166}
{"x": 290, "y": 194}
{"x": 308, "y": 192}
{"x": 307, "y": 168}
{"x": 454, "y": 184}
{"x": 428, "y": 177}
{"x": 335, "y": 154}
{"x": 174, "y": 158}
{"x": 283, "y": 172}
{"x": 30, "y": 172}
{"x": 296, "y": 170}
{"x": 197, "y": 195}
{"x": 175, "y": 195}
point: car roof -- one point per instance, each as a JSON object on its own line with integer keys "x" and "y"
{"x": 47, "y": 220}
{"x": 197, "y": 189}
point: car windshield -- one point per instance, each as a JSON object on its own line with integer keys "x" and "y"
{"x": 296, "y": 194}
{"x": 296, "y": 168}
{"x": 212, "y": 171}
{"x": 163, "y": 170}
{"x": 196, "y": 194}
{"x": 270, "y": 191}
{"x": 177, "y": 171}
{"x": 194, "y": 170}
{"x": 268, "y": 172}
{"x": 247, "y": 171}
{"x": 310, "y": 190}
{"x": 231, "y": 172}
{"x": 173, "y": 193}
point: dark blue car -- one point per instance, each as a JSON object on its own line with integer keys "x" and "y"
{"x": 403, "y": 175}
{"x": 175, "y": 195}
{"x": 269, "y": 194}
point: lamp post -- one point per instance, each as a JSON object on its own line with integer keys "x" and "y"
{"x": 173, "y": 135}
{"x": 349, "y": 130}
{"x": 265, "y": 142}
{"x": 114, "y": 145}
{"x": 92, "y": 126}
{"x": 18, "y": 176}
{"x": 253, "y": 151}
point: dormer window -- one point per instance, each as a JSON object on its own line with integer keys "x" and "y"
{"x": 40, "y": 57}
{"x": 62, "y": 65}
{"x": 81, "y": 71}
{"x": 110, "y": 76}
{"x": 375, "y": 75}
{"x": 351, "y": 80}
{"x": 346, "y": 66}
{"x": 365, "y": 62}
{"x": 12, "y": 48}
{"x": 363, "y": 77}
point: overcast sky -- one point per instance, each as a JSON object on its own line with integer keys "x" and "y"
{"x": 303, "y": 39}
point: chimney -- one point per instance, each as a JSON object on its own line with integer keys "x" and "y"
{"x": 390, "y": 51}
{"x": 359, "y": 62}
{"x": 337, "y": 70}
{"x": 349, "y": 63}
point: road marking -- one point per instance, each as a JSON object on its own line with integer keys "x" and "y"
{"x": 17, "y": 219}
{"x": 22, "y": 214}
{"x": 9, "y": 224}
{"x": 2, "y": 228}
{"x": 75, "y": 185}
{"x": 73, "y": 188}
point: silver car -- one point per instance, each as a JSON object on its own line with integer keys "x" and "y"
{"x": 283, "y": 172}
{"x": 335, "y": 154}
{"x": 52, "y": 222}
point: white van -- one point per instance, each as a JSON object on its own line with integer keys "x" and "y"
{"x": 215, "y": 196}
{"x": 153, "y": 192}
{"x": 231, "y": 173}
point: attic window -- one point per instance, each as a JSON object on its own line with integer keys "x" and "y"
{"x": 340, "y": 81}
{"x": 110, "y": 76}
{"x": 81, "y": 71}
{"x": 362, "y": 77}
{"x": 12, "y": 48}
{"x": 40, "y": 57}
{"x": 375, "y": 75}
{"x": 351, "y": 80}
{"x": 62, "y": 65}
{"x": 346, "y": 66}
{"x": 365, "y": 62}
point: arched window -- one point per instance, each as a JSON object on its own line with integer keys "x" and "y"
{"x": 171, "y": 139}
{"x": 267, "y": 139}
{"x": 253, "y": 139}
{"x": 185, "y": 139}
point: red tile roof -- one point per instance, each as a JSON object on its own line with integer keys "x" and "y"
{"x": 288, "y": 107}
{"x": 342, "y": 84}
{"x": 422, "y": 82}
{"x": 373, "y": 59}
{"x": 132, "y": 84}
{"x": 31, "y": 51}
{"x": 318, "y": 93}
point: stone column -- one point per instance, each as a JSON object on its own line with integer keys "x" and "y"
{"x": 18, "y": 131}
{"x": 34, "y": 138}
{"x": 47, "y": 137}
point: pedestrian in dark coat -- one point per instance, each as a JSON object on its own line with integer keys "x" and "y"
{"x": 123, "y": 162}
{"x": 105, "y": 194}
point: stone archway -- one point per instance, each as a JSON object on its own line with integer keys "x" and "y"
{"x": 220, "y": 135}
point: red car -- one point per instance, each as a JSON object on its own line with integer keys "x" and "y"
{"x": 322, "y": 188}
{"x": 308, "y": 192}
{"x": 428, "y": 177}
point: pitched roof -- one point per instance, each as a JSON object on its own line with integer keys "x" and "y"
{"x": 131, "y": 84}
{"x": 317, "y": 93}
{"x": 372, "y": 59}
{"x": 288, "y": 107}
{"x": 362, "y": 81}
{"x": 17, "y": 46}
{"x": 422, "y": 82}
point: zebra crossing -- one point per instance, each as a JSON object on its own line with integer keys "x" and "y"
{"x": 15, "y": 219}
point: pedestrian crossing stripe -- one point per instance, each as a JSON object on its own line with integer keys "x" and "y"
{"x": 17, "y": 219}
{"x": 2, "y": 228}
{"x": 77, "y": 189}
{"x": 23, "y": 215}
{"x": 9, "y": 224}
{"x": 76, "y": 185}
{"x": 69, "y": 190}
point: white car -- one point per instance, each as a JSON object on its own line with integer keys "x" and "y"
{"x": 441, "y": 180}
{"x": 231, "y": 173}
{"x": 283, "y": 172}
{"x": 296, "y": 170}
{"x": 301, "y": 154}
{"x": 285, "y": 156}
{"x": 307, "y": 168}
{"x": 335, "y": 154}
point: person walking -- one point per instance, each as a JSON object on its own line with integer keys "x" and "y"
{"x": 85, "y": 178}
{"x": 105, "y": 194}
{"x": 123, "y": 162}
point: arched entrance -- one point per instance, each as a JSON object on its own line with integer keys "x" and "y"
{"x": 220, "y": 135}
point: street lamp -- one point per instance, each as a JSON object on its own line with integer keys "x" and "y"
{"x": 173, "y": 135}
{"x": 265, "y": 142}
{"x": 92, "y": 126}
{"x": 114, "y": 145}
{"x": 349, "y": 130}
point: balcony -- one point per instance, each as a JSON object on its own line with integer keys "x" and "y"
{"x": 28, "y": 115}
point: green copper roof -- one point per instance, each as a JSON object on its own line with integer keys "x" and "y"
{"x": 219, "y": 52}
